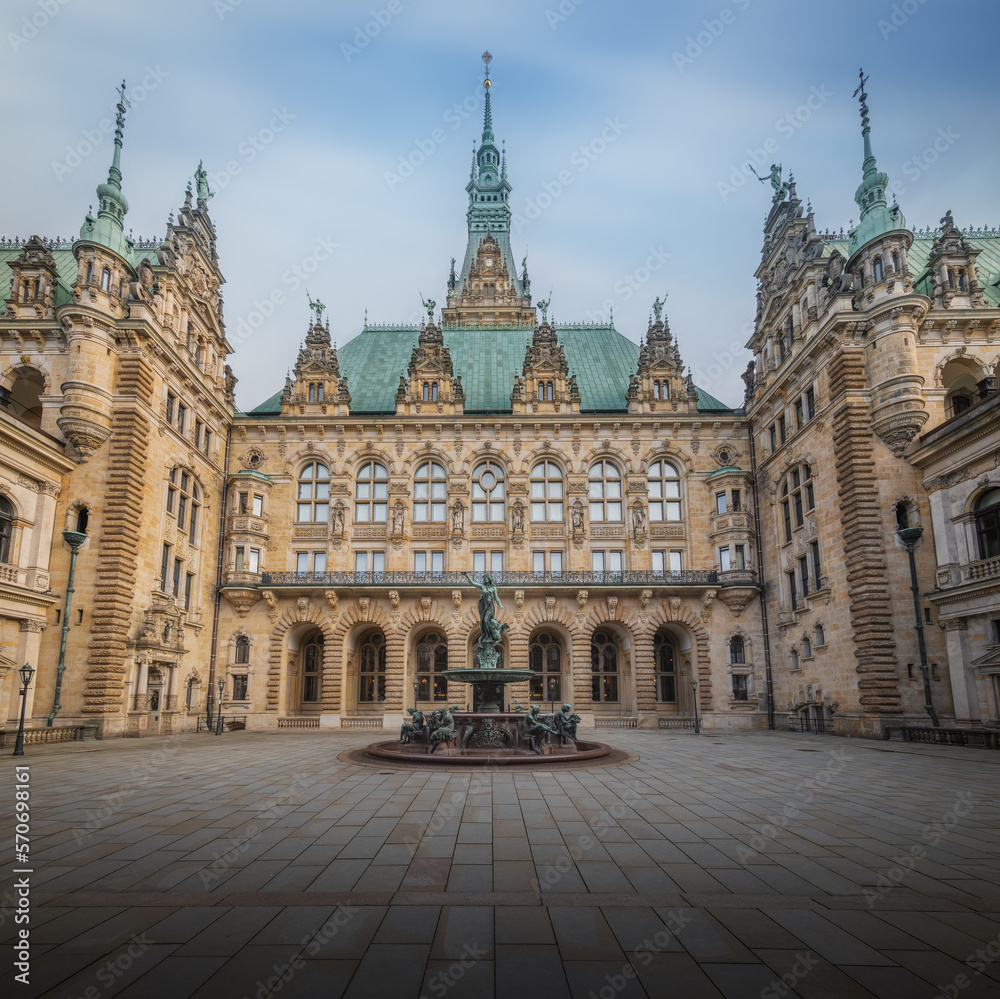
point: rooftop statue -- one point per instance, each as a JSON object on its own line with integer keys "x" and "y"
{"x": 658, "y": 304}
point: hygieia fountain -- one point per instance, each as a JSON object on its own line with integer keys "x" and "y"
{"x": 489, "y": 736}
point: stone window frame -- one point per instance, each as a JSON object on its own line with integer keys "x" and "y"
{"x": 547, "y": 500}
{"x": 665, "y": 500}
{"x": 431, "y": 501}
{"x": 313, "y": 500}
{"x": 235, "y": 668}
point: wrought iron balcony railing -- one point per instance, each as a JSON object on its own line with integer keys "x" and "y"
{"x": 686, "y": 577}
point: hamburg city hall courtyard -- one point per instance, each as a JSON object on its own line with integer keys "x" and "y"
{"x": 256, "y": 865}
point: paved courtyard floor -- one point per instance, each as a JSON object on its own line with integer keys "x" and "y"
{"x": 724, "y": 865}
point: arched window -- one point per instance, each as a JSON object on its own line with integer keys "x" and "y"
{"x": 312, "y": 669}
{"x": 430, "y": 493}
{"x": 23, "y": 399}
{"x": 105, "y": 280}
{"x": 432, "y": 661}
{"x": 895, "y": 262}
{"x": 313, "y": 503}
{"x": 6, "y": 529}
{"x": 545, "y": 658}
{"x": 988, "y": 523}
{"x": 877, "y": 270}
{"x": 807, "y": 649}
{"x": 371, "y": 668}
{"x": 960, "y": 380}
{"x": 488, "y": 493}
{"x": 604, "y": 667}
{"x": 666, "y": 667}
{"x": 546, "y": 492}
{"x": 795, "y": 659}
{"x": 430, "y": 392}
{"x": 242, "y": 649}
{"x": 664, "y": 491}
{"x": 819, "y": 636}
{"x": 737, "y": 650}
{"x": 797, "y": 496}
{"x": 371, "y": 494}
{"x": 605, "y": 492}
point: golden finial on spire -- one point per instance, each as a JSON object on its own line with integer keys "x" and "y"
{"x": 487, "y": 58}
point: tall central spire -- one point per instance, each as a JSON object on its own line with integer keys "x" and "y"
{"x": 876, "y": 217}
{"x": 488, "y": 286}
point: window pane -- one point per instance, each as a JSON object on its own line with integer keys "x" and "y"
{"x": 319, "y": 562}
{"x": 657, "y": 561}
{"x": 597, "y": 511}
{"x": 537, "y": 490}
{"x": 378, "y": 562}
{"x": 364, "y": 491}
{"x": 555, "y": 560}
{"x": 555, "y": 511}
{"x": 302, "y": 562}
{"x": 615, "y": 561}
{"x": 479, "y": 562}
{"x": 614, "y": 488}
{"x": 538, "y": 511}
{"x": 361, "y": 561}
{"x": 496, "y": 562}
{"x": 555, "y": 490}
{"x": 672, "y": 489}
{"x": 421, "y": 490}
{"x": 538, "y": 561}
{"x": 614, "y": 511}
{"x": 322, "y": 513}
{"x": 381, "y": 490}
{"x": 362, "y": 511}
{"x": 656, "y": 511}
{"x": 437, "y": 561}
{"x": 496, "y": 512}
{"x": 379, "y": 512}
{"x": 673, "y": 511}
{"x": 304, "y": 513}
{"x": 597, "y": 561}
{"x": 675, "y": 561}
{"x": 438, "y": 513}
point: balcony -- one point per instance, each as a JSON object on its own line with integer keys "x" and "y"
{"x": 987, "y": 568}
{"x": 687, "y": 577}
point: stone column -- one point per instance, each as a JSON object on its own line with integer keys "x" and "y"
{"x": 963, "y": 678}
{"x": 398, "y": 690}
{"x": 579, "y": 679}
{"x": 28, "y": 645}
{"x": 644, "y": 667}
{"x": 141, "y": 683}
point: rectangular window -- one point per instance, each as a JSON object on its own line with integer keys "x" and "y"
{"x": 178, "y": 567}
{"x": 786, "y": 513}
{"x": 240, "y": 687}
{"x": 239, "y": 557}
{"x": 258, "y": 505}
{"x": 193, "y": 526}
{"x": 555, "y": 563}
{"x": 422, "y": 561}
{"x": 361, "y": 562}
{"x": 739, "y": 557}
{"x": 241, "y": 505}
{"x": 302, "y": 562}
{"x": 810, "y": 499}
{"x": 479, "y": 562}
{"x": 378, "y": 562}
{"x": 741, "y": 687}
{"x": 724, "y": 560}
{"x": 206, "y": 442}
{"x": 774, "y": 437}
{"x": 607, "y": 562}
{"x": 171, "y": 404}
{"x": 496, "y": 563}
{"x": 319, "y": 562}
{"x": 996, "y": 631}
{"x": 804, "y": 575}
{"x": 199, "y": 429}
{"x": 782, "y": 428}
{"x": 164, "y": 567}
{"x": 658, "y": 563}
{"x": 181, "y": 416}
{"x": 793, "y": 597}
{"x": 737, "y": 497}
{"x": 810, "y": 403}
{"x": 817, "y": 575}
{"x": 597, "y": 561}
{"x": 799, "y": 415}
{"x": 188, "y": 582}
{"x": 182, "y": 512}
{"x": 720, "y": 502}
{"x": 798, "y": 509}
{"x": 171, "y": 498}
{"x": 538, "y": 563}
{"x": 253, "y": 563}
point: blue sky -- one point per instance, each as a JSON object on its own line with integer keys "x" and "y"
{"x": 647, "y": 108}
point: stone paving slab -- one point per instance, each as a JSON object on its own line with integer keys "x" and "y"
{"x": 727, "y": 865}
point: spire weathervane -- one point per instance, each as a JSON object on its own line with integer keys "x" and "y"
{"x": 487, "y": 58}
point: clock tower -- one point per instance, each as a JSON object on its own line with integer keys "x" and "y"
{"x": 488, "y": 291}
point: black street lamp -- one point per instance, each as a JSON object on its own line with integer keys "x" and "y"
{"x": 694, "y": 694}
{"x": 908, "y": 537}
{"x": 218, "y": 725}
{"x": 552, "y": 694}
{"x": 26, "y": 673}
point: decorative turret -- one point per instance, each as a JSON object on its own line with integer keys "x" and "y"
{"x": 430, "y": 384}
{"x": 876, "y": 217}
{"x": 487, "y": 290}
{"x": 659, "y": 384}
{"x": 33, "y": 282}
{"x": 316, "y": 385}
{"x": 108, "y": 228}
{"x": 545, "y": 385}
{"x": 952, "y": 265}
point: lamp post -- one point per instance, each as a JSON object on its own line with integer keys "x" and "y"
{"x": 694, "y": 694}
{"x": 552, "y": 694}
{"x": 218, "y": 725}
{"x": 908, "y": 537}
{"x": 74, "y": 539}
{"x": 26, "y": 673}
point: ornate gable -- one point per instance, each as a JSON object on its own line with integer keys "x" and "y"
{"x": 33, "y": 284}
{"x": 952, "y": 265}
{"x": 430, "y": 384}
{"x": 316, "y": 386}
{"x": 659, "y": 384}
{"x": 545, "y": 385}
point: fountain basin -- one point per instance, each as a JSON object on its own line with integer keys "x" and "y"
{"x": 475, "y": 675}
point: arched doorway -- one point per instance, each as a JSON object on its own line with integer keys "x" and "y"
{"x": 605, "y": 671}
{"x": 371, "y": 660}
{"x": 304, "y": 677}
{"x": 430, "y": 658}
{"x": 546, "y": 656}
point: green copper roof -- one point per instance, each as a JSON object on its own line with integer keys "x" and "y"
{"x": 488, "y": 359}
